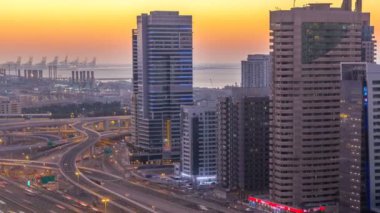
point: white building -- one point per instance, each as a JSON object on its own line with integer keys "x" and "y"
{"x": 373, "y": 88}
{"x": 199, "y": 145}
{"x": 256, "y": 71}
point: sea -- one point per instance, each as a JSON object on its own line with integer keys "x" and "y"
{"x": 205, "y": 75}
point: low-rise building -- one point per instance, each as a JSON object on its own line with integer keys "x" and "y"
{"x": 8, "y": 106}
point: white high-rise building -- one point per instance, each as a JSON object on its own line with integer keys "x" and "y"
{"x": 199, "y": 145}
{"x": 373, "y": 85}
{"x": 256, "y": 71}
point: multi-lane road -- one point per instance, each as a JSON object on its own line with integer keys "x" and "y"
{"x": 70, "y": 171}
{"x": 119, "y": 194}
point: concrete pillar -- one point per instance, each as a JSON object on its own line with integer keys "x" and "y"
{"x": 77, "y": 76}
{"x": 9, "y": 140}
{"x": 92, "y": 151}
{"x": 106, "y": 125}
{"x": 55, "y": 72}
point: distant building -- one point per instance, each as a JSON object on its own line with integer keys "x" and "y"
{"x": 368, "y": 44}
{"x": 199, "y": 145}
{"x": 243, "y": 141}
{"x": 308, "y": 45}
{"x": 360, "y": 130}
{"x": 8, "y": 106}
{"x": 162, "y": 82}
{"x": 256, "y": 71}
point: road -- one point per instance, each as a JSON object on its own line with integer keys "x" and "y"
{"x": 69, "y": 170}
{"x": 158, "y": 194}
{"x": 18, "y": 198}
{"x": 53, "y": 122}
{"x": 124, "y": 195}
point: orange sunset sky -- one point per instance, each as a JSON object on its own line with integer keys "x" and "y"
{"x": 225, "y": 31}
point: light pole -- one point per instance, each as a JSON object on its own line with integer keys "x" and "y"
{"x": 77, "y": 173}
{"x": 105, "y": 201}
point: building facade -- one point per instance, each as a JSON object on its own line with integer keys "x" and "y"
{"x": 360, "y": 147}
{"x": 308, "y": 44}
{"x": 162, "y": 82}
{"x": 198, "y": 140}
{"x": 243, "y": 141}
{"x": 373, "y": 89}
{"x": 353, "y": 188}
{"x": 8, "y": 106}
{"x": 256, "y": 71}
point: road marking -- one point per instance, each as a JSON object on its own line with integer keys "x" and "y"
{"x": 27, "y": 201}
{"x": 59, "y": 206}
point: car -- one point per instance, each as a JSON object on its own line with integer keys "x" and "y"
{"x": 30, "y": 192}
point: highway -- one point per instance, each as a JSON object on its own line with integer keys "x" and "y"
{"x": 124, "y": 195}
{"x": 69, "y": 170}
{"x": 54, "y": 122}
{"x": 19, "y": 199}
{"x": 157, "y": 195}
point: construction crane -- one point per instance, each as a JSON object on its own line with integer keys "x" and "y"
{"x": 212, "y": 83}
{"x": 42, "y": 64}
{"x": 64, "y": 62}
{"x": 29, "y": 63}
{"x": 93, "y": 62}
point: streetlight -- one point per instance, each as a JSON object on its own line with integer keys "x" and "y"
{"x": 77, "y": 173}
{"x": 105, "y": 201}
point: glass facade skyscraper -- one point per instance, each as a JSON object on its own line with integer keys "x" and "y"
{"x": 162, "y": 82}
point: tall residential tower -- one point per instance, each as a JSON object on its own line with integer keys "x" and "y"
{"x": 199, "y": 145}
{"x": 243, "y": 141}
{"x": 162, "y": 82}
{"x": 308, "y": 45}
{"x": 256, "y": 71}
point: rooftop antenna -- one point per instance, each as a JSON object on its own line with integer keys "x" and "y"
{"x": 347, "y": 5}
{"x": 359, "y": 6}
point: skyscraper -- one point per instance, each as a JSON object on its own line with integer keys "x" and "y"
{"x": 308, "y": 44}
{"x": 354, "y": 138}
{"x": 243, "y": 140}
{"x": 162, "y": 82}
{"x": 360, "y": 148}
{"x": 199, "y": 145}
{"x": 256, "y": 71}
